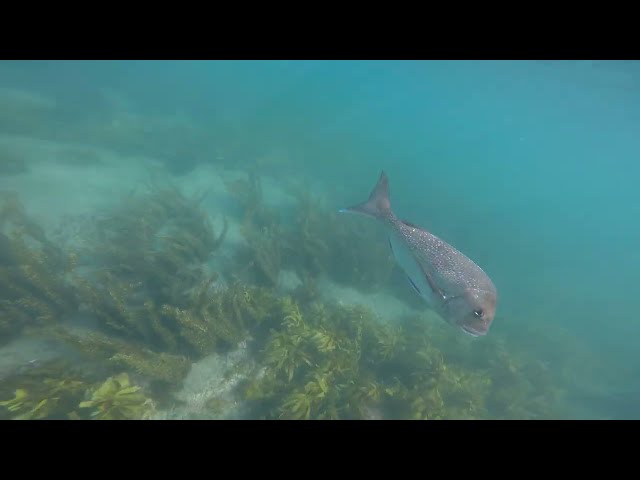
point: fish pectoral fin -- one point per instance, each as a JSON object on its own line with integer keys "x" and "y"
{"x": 432, "y": 284}
{"x": 413, "y": 284}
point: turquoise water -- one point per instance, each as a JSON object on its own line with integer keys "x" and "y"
{"x": 528, "y": 167}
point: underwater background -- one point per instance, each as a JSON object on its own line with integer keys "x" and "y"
{"x": 171, "y": 247}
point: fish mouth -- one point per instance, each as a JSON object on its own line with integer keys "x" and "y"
{"x": 472, "y": 332}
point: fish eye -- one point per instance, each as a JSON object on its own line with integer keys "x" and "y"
{"x": 478, "y": 313}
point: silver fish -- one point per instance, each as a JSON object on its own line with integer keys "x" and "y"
{"x": 455, "y": 287}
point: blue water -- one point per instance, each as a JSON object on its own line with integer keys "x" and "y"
{"x": 528, "y": 167}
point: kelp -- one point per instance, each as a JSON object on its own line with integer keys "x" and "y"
{"x": 143, "y": 277}
{"x": 118, "y": 399}
{"x": 116, "y": 355}
{"x": 50, "y": 391}
{"x": 209, "y": 318}
{"x": 314, "y": 362}
{"x": 35, "y": 288}
{"x": 326, "y": 361}
{"x": 149, "y": 281}
{"x": 349, "y": 250}
{"x": 55, "y": 392}
{"x": 309, "y": 239}
{"x": 156, "y": 242}
{"x": 263, "y": 253}
{"x": 248, "y": 194}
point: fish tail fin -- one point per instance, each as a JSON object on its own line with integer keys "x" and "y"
{"x": 378, "y": 205}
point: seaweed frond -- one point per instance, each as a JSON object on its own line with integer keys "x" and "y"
{"x": 118, "y": 399}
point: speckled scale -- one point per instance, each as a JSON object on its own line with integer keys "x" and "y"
{"x": 451, "y": 270}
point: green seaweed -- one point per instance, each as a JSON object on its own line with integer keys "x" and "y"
{"x": 156, "y": 243}
{"x": 308, "y": 238}
{"x": 320, "y": 241}
{"x": 247, "y": 192}
{"x": 118, "y": 399}
{"x": 163, "y": 367}
{"x": 35, "y": 289}
{"x": 49, "y": 391}
{"x": 262, "y": 254}
{"x": 143, "y": 276}
{"x": 117, "y": 355}
{"x": 326, "y": 361}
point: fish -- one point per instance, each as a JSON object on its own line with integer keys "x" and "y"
{"x": 457, "y": 289}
